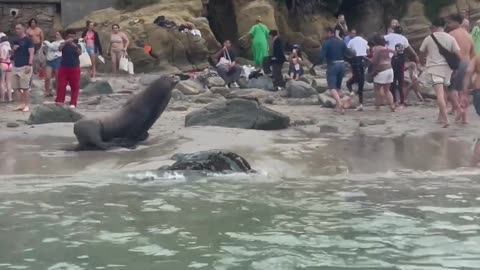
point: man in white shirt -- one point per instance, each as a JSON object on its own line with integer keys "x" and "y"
{"x": 397, "y": 37}
{"x": 360, "y": 46}
{"x": 437, "y": 68}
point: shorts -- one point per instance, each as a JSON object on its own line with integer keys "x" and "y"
{"x": 21, "y": 80}
{"x": 433, "y": 80}
{"x": 90, "y": 50}
{"x": 37, "y": 47}
{"x": 384, "y": 77}
{"x": 294, "y": 70}
{"x": 54, "y": 64}
{"x": 458, "y": 77}
{"x": 335, "y": 74}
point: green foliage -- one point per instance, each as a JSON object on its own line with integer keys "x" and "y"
{"x": 133, "y": 4}
{"x": 433, "y": 7}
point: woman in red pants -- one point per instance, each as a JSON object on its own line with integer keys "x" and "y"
{"x": 69, "y": 71}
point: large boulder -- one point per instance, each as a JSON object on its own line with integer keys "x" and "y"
{"x": 211, "y": 161}
{"x": 415, "y": 25}
{"x": 252, "y": 94}
{"x": 262, "y": 82}
{"x": 53, "y": 113}
{"x": 238, "y": 113}
{"x": 98, "y": 88}
{"x": 300, "y": 89}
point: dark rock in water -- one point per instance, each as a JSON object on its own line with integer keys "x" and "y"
{"x": 262, "y": 82}
{"x": 12, "y": 125}
{"x": 53, "y": 113}
{"x": 368, "y": 122}
{"x": 238, "y": 113}
{"x": 212, "y": 161}
{"x": 300, "y": 89}
{"x": 98, "y": 88}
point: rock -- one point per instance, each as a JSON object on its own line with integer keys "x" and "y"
{"x": 262, "y": 82}
{"x": 252, "y": 94}
{"x": 12, "y": 125}
{"x": 304, "y": 122}
{"x": 177, "y": 108}
{"x": 206, "y": 100}
{"x": 53, "y": 113}
{"x": 328, "y": 129}
{"x": 177, "y": 95}
{"x": 238, "y": 113}
{"x": 415, "y": 25}
{"x": 220, "y": 90}
{"x": 215, "y": 82}
{"x": 93, "y": 101}
{"x": 369, "y": 122}
{"x": 242, "y": 83}
{"x": 326, "y": 101}
{"x": 98, "y": 88}
{"x": 303, "y": 101}
{"x": 147, "y": 79}
{"x": 320, "y": 85}
{"x": 84, "y": 80}
{"x": 212, "y": 161}
{"x": 190, "y": 87}
{"x": 299, "y": 89}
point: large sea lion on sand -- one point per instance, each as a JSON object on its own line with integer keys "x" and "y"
{"x": 129, "y": 125}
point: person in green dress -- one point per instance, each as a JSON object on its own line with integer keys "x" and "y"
{"x": 260, "y": 35}
{"x": 476, "y": 36}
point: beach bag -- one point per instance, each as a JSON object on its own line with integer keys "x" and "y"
{"x": 39, "y": 60}
{"x": 84, "y": 58}
{"x": 452, "y": 58}
{"x": 130, "y": 67}
{"x": 123, "y": 65}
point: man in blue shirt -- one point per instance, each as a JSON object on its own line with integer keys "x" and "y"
{"x": 333, "y": 51}
{"x": 22, "y": 67}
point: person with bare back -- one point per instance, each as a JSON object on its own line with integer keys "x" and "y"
{"x": 35, "y": 33}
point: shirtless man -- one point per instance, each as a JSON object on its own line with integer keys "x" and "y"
{"x": 35, "y": 33}
{"x": 465, "y": 21}
{"x": 458, "y": 97}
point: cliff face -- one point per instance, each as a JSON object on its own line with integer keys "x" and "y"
{"x": 299, "y": 22}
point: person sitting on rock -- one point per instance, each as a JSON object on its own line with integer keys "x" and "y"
{"x": 226, "y": 66}
{"x": 295, "y": 70}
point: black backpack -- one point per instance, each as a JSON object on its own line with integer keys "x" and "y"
{"x": 452, "y": 58}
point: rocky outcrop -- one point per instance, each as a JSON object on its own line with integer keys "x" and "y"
{"x": 415, "y": 24}
{"x": 299, "y": 89}
{"x": 211, "y": 161}
{"x": 53, "y": 113}
{"x": 238, "y": 113}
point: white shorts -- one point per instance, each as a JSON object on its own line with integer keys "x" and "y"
{"x": 433, "y": 80}
{"x": 384, "y": 77}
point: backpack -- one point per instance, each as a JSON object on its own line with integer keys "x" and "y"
{"x": 452, "y": 58}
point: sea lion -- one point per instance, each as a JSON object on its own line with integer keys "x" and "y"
{"x": 129, "y": 125}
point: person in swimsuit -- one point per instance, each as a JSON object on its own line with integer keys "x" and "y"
{"x": 6, "y": 68}
{"x": 93, "y": 45}
{"x": 295, "y": 70}
{"x": 382, "y": 72}
{"x": 35, "y": 33}
{"x": 118, "y": 46}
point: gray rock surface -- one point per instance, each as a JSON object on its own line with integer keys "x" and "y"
{"x": 215, "y": 82}
{"x": 299, "y": 89}
{"x": 262, "y": 82}
{"x": 53, "y": 113}
{"x": 97, "y": 88}
{"x": 238, "y": 113}
{"x": 190, "y": 87}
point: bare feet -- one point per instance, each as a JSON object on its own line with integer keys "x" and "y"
{"x": 19, "y": 108}
{"x": 26, "y": 109}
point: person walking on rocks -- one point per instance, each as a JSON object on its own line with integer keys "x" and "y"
{"x": 382, "y": 72}
{"x": 435, "y": 48}
{"x": 459, "y": 98}
{"x": 118, "y": 46}
{"x": 54, "y": 58}
{"x": 360, "y": 46}
{"x": 277, "y": 59}
{"x": 23, "y": 51}
{"x": 333, "y": 51}
{"x": 93, "y": 45}
{"x": 260, "y": 35}
{"x": 69, "y": 72}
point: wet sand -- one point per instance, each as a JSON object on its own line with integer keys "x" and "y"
{"x": 328, "y": 144}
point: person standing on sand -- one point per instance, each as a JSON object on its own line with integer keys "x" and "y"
{"x": 6, "y": 69}
{"x": 333, "y": 51}
{"x": 93, "y": 46}
{"x": 22, "y": 72}
{"x": 382, "y": 72}
{"x": 54, "y": 58}
{"x": 118, "y": 46}
{"x": 35, "y": 33}
{"x": 260, "y": 35}
{"x": 437, "y": 68}
{"x": 69, "y": 72}
{"x": 459, "y": 98}
{"x": 398, "y": 66}
{"x": 360, "y": 46}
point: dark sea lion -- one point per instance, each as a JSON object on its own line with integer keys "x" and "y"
{"x": 129, "y": 125}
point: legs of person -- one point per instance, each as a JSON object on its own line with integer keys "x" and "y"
{"x": 3, "y": 86}
{"x": 61, "y": 85}
{"x": 115, "y": 60}
{"x": 25, "y": 82}
{"x": 277, "y": 75}
{"x": 388, "y": 95}
{"x": 8, "y": 84}
{"x": 332, "y": 77}
{"x": 400, "y": 82}
{"x": 378, "y": 95}
{"x": 361, "y": 83}
{"x": 454, "y": 99}
{"x": 48, "y": 80}
{"x": 393, "y": 87}
{"x": 74, "y": 82}
{"x": 442, "y": 106}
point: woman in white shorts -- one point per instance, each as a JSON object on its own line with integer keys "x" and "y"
{"x": 382, "y": 72}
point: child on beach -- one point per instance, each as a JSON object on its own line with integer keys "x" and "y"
{"x": 414, "y": 73}
{"x": 296, "y": 69}
{"x": 6, "y": 69}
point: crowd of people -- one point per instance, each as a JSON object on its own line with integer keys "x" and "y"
{"x": 19, "y": 60}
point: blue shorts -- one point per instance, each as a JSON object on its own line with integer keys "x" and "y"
{"x": 90, "y": 50}
{"x": 335, "y": 74}
{"x": 54, "y": 64}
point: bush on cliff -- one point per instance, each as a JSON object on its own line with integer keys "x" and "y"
{"x": 133, "y": 4}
